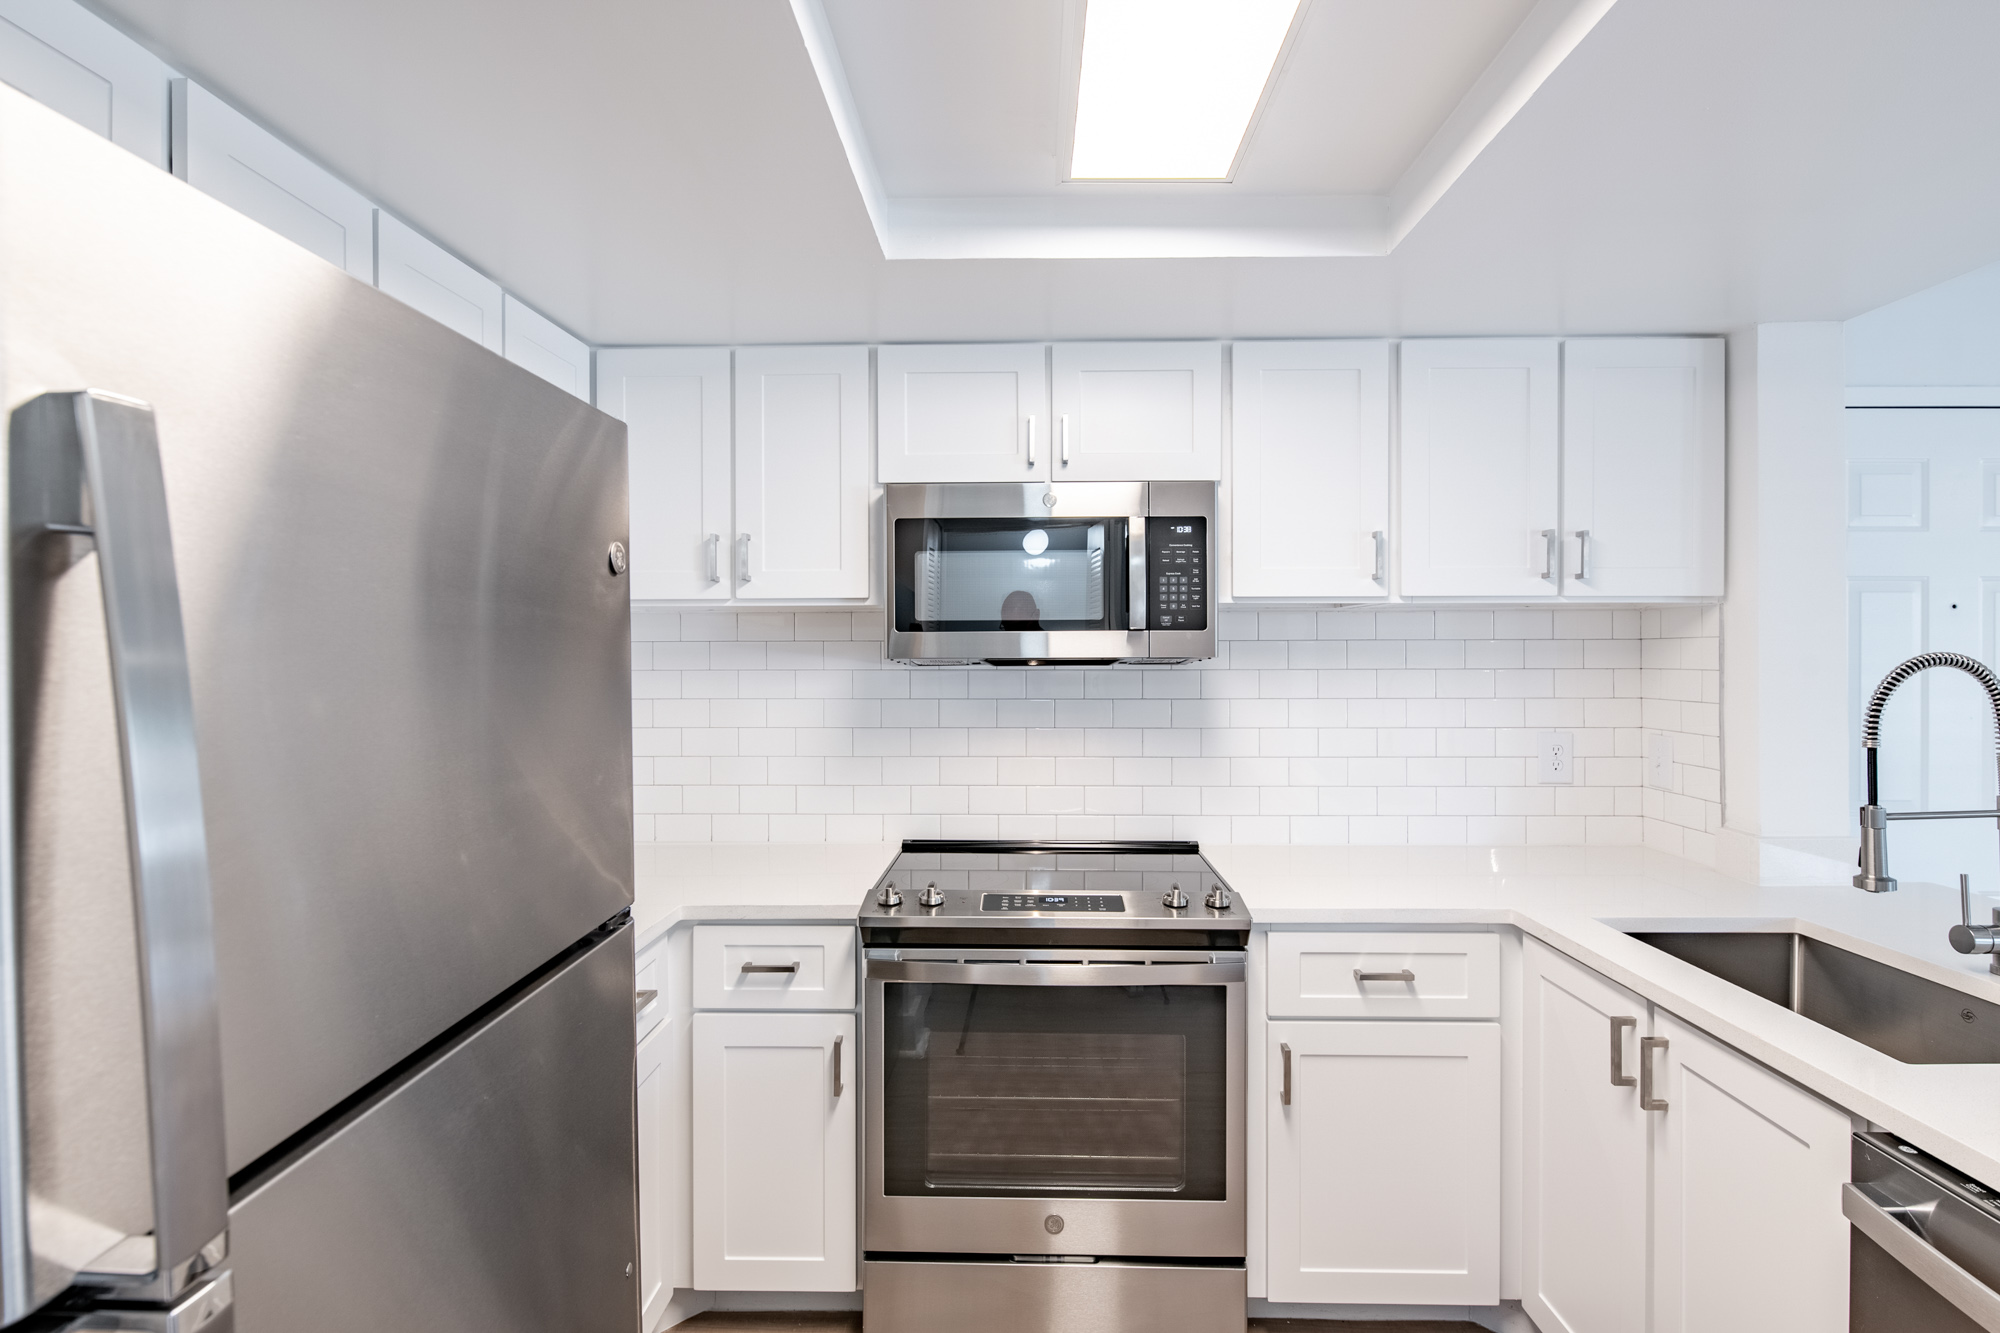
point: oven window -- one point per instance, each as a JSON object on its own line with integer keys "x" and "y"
{"x": 1105, "y": 1091}
{"x": 1013, "y": 574}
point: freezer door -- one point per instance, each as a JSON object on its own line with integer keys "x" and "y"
{"x": 491, "y": 1191}
{"x": 409, "y": 652}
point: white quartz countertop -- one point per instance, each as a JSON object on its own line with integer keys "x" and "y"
{"x": 1580, "y": 900}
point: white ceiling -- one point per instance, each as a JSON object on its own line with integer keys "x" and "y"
{"x": 668, "y": 171}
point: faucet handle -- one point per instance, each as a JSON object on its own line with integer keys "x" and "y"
{"x": 1968, "y": 938}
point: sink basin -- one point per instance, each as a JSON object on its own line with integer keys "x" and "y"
{"x": 1905, "y": 1017}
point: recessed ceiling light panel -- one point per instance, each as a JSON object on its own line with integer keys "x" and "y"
{"x": 1168, "y": 87}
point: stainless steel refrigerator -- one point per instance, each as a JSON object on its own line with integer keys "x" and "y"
{"x": 316, "y": 1003}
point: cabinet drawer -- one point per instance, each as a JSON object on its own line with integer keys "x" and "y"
{"x": 774, "y": 967}
{"x": 649, "y": 973}
{"x": 1363, "y": 974}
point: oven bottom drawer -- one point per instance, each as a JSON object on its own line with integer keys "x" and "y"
{"x": 920, "y": 1296}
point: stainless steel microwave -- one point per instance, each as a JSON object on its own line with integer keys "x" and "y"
{"x": 1051, "y": 572}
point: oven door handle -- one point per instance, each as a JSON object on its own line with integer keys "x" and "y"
{"x": 1059, "y": 974}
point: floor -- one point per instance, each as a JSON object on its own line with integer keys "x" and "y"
{"x": 744, "y": 1322}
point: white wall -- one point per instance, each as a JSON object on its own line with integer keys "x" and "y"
{"x": 1945, "y": 335}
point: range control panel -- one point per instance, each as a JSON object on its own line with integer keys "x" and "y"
{"x": 1052, "y": 902}
{"x": 1177, "y": 573}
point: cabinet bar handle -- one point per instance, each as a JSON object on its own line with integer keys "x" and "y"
{"x": 1031, "y": 443}
{"x": 1583, "y": 555}
{"x": 1404, "y": 975}
{"x": 1064, "y": 422}
{"x": 714, "y": 545}
{"x": 838, "y": 1086}
{"x": 1549, "y": 554}
{"x": 1647, "y": 1101}
{"x": 1382, "y": 558}
{"x": 743, "y": 566}
{"x": 771, "y": 967}
{"x": 640, "y": 999}
{"x": 1285, "y": 1093}
{"x": 1619, "y": 1078}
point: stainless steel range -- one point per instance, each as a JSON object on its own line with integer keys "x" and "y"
{"x": 1055, "y": 1073}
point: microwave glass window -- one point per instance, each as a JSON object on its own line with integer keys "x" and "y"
{"x": 958, "y": 574}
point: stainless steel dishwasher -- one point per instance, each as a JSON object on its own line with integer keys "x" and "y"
{"x": 1926, "y": 1243}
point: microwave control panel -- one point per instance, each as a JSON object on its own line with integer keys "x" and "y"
{"x": 1177, "y": 573}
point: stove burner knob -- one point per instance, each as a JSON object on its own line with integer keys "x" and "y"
{"x": 889, "y": 897}
{"x": 1174, "y": 898}
{"x": 1218, "y": 898}
{"x": 931, "y": 896}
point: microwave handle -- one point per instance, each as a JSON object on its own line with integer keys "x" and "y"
{"x": 1135, "y": 577}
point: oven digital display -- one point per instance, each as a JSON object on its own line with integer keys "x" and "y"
{"x": 1052, "y": 902}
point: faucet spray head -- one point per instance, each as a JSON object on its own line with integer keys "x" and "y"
{"x": 1874, "y": 858}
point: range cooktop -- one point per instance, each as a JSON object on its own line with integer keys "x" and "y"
{"x": 1019, "y": 885}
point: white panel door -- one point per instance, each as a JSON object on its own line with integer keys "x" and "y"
{"x": 1137, "y": 411}
{"x": 963, "y": 412}
{"x": 655, "y": 1214}
{"x": 1584, "y": 1170}
{"x": 1748, "y": 1233}
{"x": 65, "y": 57}
{"x": 1375, "y": 974}
{"x": 425, "y": 276}
{"x": 1642, "y": 467}
{"x": 1478, "y": 512}
{"x": 675, "y": 404}
{"x": 1384, "y": 1168}
{"x": 802, "y": 485}
{"x": 223, "y": 153}
{"x": 534, "y": 342}
{"x": 774, "y": 1178}
{"x": 1309, "y": 469}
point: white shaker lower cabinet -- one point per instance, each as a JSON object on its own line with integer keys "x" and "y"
{"x": 1747, "y": 1170}
{"x": 1309, "y": 469}
{"x": 1733, "y": 1172}
{"x": 1384, "y": 1162}
{"x": 802, "y": 472}
{"x": 655, "y": 1234}
{"x": 774, "y": 1141}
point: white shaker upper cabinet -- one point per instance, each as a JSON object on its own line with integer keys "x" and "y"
{"x": 1478, "y": 468}
{"x": 67, "y": 58}
{"x": 963, "y": 412}
{"x": 802, "y": 485}
{"x": 537, "y": 343}
{"x": 1642, "y": 467}
{"x": 1309, "y": 470}
{"x": 1147, "y": 411}
{"x": 222, "y": 153}
{"x": 674, "y": 402}
{"x": 425, "y": 276}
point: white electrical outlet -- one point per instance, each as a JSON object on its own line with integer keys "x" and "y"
{"x": 1660, "y": 761}
{"x": 1555, "y": 759}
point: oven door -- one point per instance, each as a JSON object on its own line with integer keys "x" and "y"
{"x": 1035, "y": 1102}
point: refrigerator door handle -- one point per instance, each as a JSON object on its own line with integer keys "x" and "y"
{"x": 88, "y": 464}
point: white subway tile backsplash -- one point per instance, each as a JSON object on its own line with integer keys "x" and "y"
{"x": 1363, "y": 725}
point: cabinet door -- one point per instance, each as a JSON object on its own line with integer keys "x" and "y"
{"x": 221, "y": 152}
{"x": 67, "y": 58}
{"x": 802, "y": 488}
{"x": 1478, "y": 468}
{"x": 1642, "y": 467}
{"x": 973, "y": 412}
{"x": 655, "y": 1217}
{"x": 1137, "y": 411}
{"x": 1584, "y": 1197}
{"x": 674, "y": 402}
{"x": 1384, "y": 1183}
{"x": 537, "y": 343}
{"x": 1309, "y": 469}
{"x": 774, "y": 1178}
{"x": 1747, "y": 1170}
{"x": 425, "y": 276}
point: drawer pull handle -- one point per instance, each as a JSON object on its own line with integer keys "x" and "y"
{"x": 749, "y": 968}
{"x": 1285, "y": 1093}
{"x": 1647, "y": 1101}
{"x": 1619, "y": 1078}
{"x": 642, "y": 999}
{"x": 1405, "y": 976}
{"x": 838, "y": 1086}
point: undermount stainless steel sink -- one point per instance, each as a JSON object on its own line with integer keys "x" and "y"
{"x": 1905, "y": 1017}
